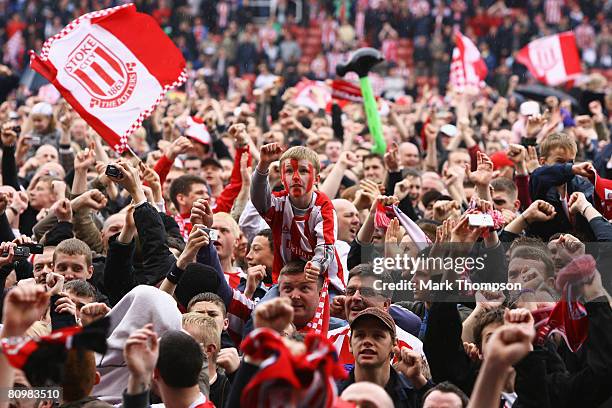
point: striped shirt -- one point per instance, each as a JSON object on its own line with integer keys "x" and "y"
{"x": 307, "y": 235}
{"x": 552, "y": 11}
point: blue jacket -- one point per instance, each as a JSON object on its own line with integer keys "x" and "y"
{"x": 543, "y": 185}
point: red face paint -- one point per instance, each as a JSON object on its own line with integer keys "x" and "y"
{"x": 294, "y": 183}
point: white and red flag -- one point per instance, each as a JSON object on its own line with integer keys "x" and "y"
{"x": 314, "y": 95}
{"x": 467, "y": 67}
{"x": 113, "y": 66}
{"x": 552, "y": 60}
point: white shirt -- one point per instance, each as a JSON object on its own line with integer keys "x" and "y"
{"x": 200, "y": 400}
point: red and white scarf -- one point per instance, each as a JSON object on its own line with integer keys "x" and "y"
{"x": 320, "y": 322}
{"x": 568, "y": 317}
{"x": 284, "y": 379}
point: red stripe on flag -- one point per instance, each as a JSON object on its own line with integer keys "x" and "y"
{"x": 49, "y": 71}
{"x": 154, "y": 50}
{"x": 110, "y": 60}
{"x": 571, "y": 58}
{"x": 100, "y": 71}
{"x": 91, "y": 84}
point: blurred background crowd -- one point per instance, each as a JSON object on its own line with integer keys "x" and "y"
{"x": 228, "y": 42}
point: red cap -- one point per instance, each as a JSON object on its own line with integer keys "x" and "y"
{"x": 501, "y": 159}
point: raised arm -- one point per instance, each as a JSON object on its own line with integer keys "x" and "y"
{"x": 331, "y": 185}
{"x": 261, "y": 194}
{"x": 231, "y": 191}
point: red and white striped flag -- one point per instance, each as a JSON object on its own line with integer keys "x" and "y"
{"x": 552, "y": 60}
{"x": 467, "y": 67}
{"x": 113, "y": 66}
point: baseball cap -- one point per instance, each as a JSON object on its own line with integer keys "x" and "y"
{"x": 42, "y": 108}
{"x": 197, "y": 131}
{"x": 378, "y": 313}
{"x": 501, "y": 159}
{"x": 195, "y": 277}
{"x": 530, "y": 108}
{"x": 209, "y": 161}
{"x": 449, "y": 130}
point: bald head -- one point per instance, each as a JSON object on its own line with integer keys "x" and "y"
{"x": 369, "y": 393}
{"x": 409, "y": 155}
{"x": 431, "y": 181}
{"x": 53, "y": 169}
{"x": 47, "y": 154}
{"x": 348, "y": 219}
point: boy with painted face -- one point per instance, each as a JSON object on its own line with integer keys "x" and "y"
{"x": 303, "y": 220}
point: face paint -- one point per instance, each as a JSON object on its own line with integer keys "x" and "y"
{"x": 294, "y": 182}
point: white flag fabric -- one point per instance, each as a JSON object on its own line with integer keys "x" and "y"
{"x": 415, "y": 233}
{"x": 113, "y": 67}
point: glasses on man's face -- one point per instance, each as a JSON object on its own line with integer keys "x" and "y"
{"x": 365, "y": 292}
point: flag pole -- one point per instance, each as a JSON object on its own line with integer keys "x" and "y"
{"x": 133, "y": 153}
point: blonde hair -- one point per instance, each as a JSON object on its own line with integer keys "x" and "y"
{"x": 74, "y": 246}
{"x": 207, "y": 330}
{"x": 303, "y": 153}
{"x": 557, "y": 140}
{"x": 233, "y": 225}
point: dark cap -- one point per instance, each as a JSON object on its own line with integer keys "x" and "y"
{"x": 211, "y": 162}
{"x": 430, "y": 196}
{"x": 378, "y": 313}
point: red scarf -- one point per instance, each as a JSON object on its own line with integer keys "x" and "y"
{"x": 18, "y": 350}
{"x": 284, "y": 379}
{"x": 184, "y": 223}
{"x": 568, "y": 317}
{"x": 42, "y": 359}
{"x": 603, "y": 195}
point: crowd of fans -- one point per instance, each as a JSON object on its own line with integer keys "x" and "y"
{"x": 206, "y": 259}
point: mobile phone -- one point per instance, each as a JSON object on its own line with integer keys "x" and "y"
{"x": 213, "y": 234}
{"x": 480, "y": 220}
{"x": 20, "y": 252}
{"x": 113, "y": 171}
{"x": 16, "y": 129}
{"x": 35, "y": 140}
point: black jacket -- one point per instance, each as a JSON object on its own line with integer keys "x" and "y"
{"x": 120, "y": 272}
{"x": 542, "y": 378}
{"x": 400, "y": 389}
{"x": 444, "y": 350}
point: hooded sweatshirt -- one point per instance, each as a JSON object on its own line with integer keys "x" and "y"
{"x": 142, "y": 305}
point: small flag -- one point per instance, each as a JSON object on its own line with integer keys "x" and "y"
{"x": 552, "y": 60}
{"x": 467, "y": 67}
